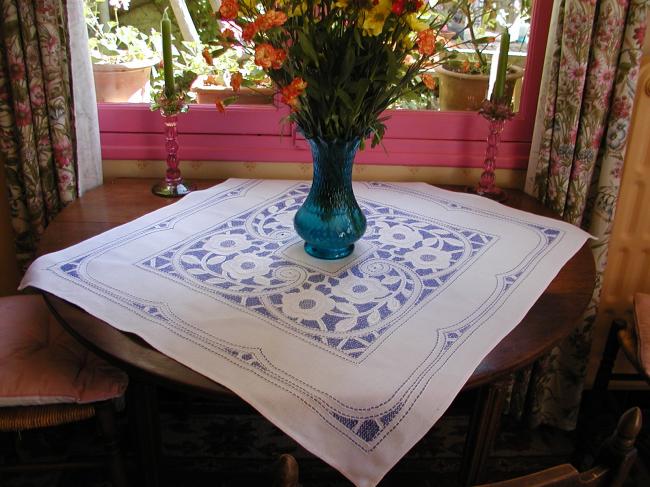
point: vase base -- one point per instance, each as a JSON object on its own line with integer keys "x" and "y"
{"x": 167, "y": 190}
{"x": 328, "y": 254}
{"x": 496, "y": 194}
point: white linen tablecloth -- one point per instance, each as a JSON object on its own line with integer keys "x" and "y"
{"x": 357, "y": 358}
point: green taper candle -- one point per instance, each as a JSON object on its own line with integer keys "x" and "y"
{"x": 168, "y": 63}
{"x": 500, "y": 82}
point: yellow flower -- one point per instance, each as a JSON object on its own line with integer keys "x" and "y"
{"x": 342, "y": 4}
{"x": 298, "y": 9}
{"x": 416, "y": 24}
{"x": 408, "y": 41}
{"x": 373, "y": 21}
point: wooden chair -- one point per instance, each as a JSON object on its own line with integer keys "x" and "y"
{"x": 613, "y": 463}
{"x": 47, "y": 379}
{"x": 634, "y": 339}
{"x": 286, "y": 472}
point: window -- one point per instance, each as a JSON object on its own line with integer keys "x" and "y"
{"x": 256, "y": 132}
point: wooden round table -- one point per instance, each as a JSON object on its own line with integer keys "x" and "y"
{"x": 550, "y": 320}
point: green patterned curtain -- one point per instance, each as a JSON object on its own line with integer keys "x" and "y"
{"x": 577, "y": 158}
{"x": 36, "y": 116}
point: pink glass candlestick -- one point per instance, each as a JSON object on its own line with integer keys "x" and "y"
{"x": 486, "y": 186}
{"x": 497, "y": 113}
{"x": 173, "y": 185}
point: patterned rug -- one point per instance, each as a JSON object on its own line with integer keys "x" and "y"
{"x": 237, "y": 447}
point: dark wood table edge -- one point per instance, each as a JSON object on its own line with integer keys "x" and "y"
{"x": 203, "y": 385}
{"x": 209, "y": 387}
{"x": 478, "y": 380}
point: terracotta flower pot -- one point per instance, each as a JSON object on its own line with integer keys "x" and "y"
{"x": 128, "y": 82}
{"x": 208, "y": 93}
{"x": 460, "y": 91}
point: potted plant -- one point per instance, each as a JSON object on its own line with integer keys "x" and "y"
{"x": 122, "y": 56}
{"x": 464, "y": 78}
{"x": 219, "y": 68}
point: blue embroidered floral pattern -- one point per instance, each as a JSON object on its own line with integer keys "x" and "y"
{"x": 242, "y": 262}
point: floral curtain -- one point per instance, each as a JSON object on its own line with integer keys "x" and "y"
{"x": 577, "y": 158}
{"x": 36, "y": 117}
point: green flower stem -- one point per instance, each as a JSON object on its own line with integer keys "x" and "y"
{"x": 467, "y": 10}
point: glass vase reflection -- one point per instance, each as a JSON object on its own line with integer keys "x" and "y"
{"x": 330, "y": 220}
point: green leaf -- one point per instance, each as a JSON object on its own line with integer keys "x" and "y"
{"x": 391, "y": 65}
{"x": 229, "y": 100}
{"x": 483, "y": 40}
{"x": 360, "y": 91}
{"x": 357, "y": 38}
{"x": 345, "y": 98}
{"x": 308, "y": 47}
{"x": 348, "y": 64}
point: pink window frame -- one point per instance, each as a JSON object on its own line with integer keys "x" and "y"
{"x": 255, "y": 133}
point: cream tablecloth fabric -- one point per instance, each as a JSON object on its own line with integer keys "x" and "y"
{"x": 356, "y": 359}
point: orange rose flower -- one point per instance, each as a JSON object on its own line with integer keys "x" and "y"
{"x": 211, "y": 79}
{"x": 249, "y": 31}
{"x": 298, "y": 84}
{"x": 429, "y": 81}
{"x": 228, "y": 34}
{"x": 427, "y": 42}
{"x": 264, "y": 55}
{"x": 270, "y": 19}
{"x": 279, "y": 58}
{"x": 229, "y": 9}
{"x": 292, "y": 91}
{"x": 267, "y": 56}
{"x": 290, "y": 99}
{"x": 235, "y": 81}
{"x": 263, "y": 23}
{"x": 207, "y": 56}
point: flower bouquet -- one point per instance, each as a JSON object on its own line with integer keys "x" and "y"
{"x": 339, "y": 64}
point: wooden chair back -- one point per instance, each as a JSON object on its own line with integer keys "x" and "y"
{"x": 612, "y": 466}
{"x": 613, "y": 463}
{"x": 286, "y": 472}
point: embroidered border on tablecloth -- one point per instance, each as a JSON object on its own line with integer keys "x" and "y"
{"x": 365, "y": 427}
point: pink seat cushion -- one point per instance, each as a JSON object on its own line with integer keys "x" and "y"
{"x": 40, "y": 363}
{"x": 642, "y": 330}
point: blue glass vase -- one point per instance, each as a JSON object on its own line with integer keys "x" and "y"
{"x": 330, "y": 220}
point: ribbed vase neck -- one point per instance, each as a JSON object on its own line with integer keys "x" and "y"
{"x": 333, "y": 162}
